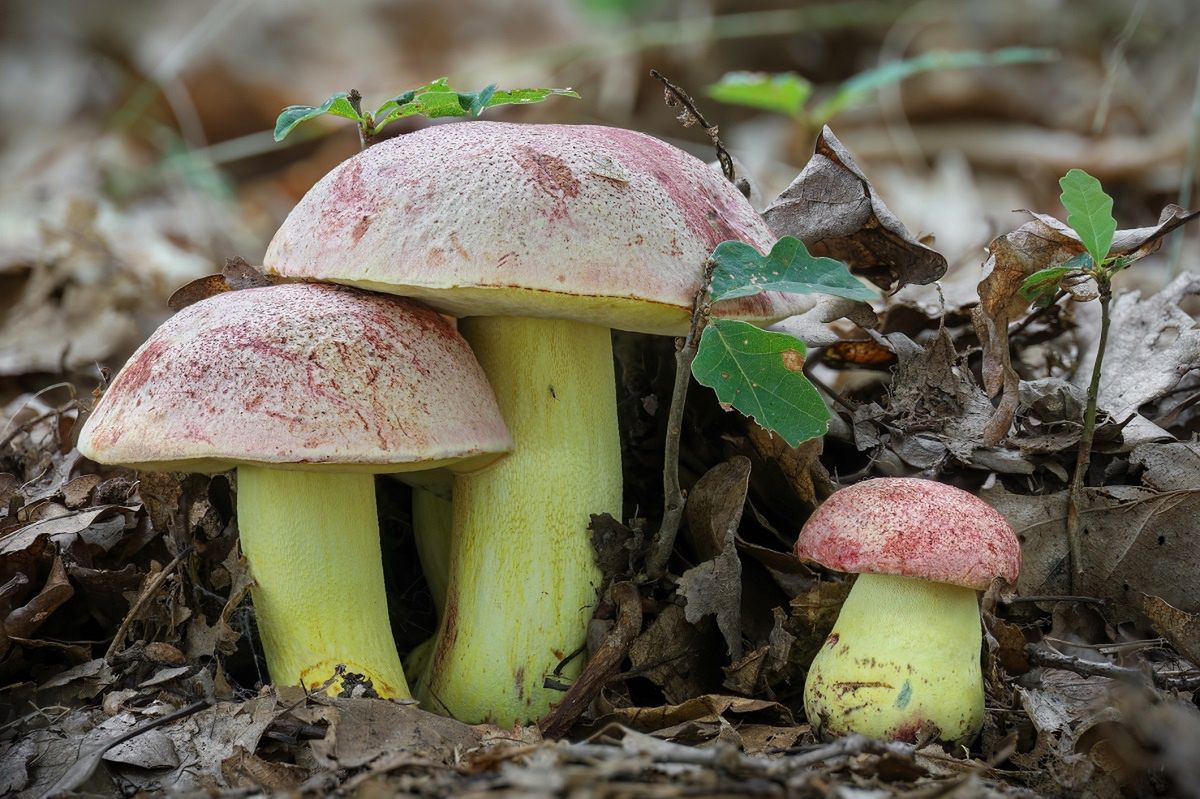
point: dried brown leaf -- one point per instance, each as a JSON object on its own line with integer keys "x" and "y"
{"x": 833, "y": 208}
{"x": 1136, "y": 540}
{"x": 362, "y": 730}
{"x": 234, "y": 276}
{"x": 714, "y": 587}
{"x": 701, "y": 709}
{"x": 244, "y": 769}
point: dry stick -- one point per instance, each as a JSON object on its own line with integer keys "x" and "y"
{"x": 673, "y": 496}
{"x": 1084, "y": 455}
{"x": 1040, "y": 656}
{"x": 150, "y": 591}
{"x": 731, "y": 760}
{"x": 86, "y": 765}
{"x": 603, "y": 663}
{"x": 691, "y": 116}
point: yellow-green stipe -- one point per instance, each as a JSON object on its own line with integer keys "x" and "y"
{"x": 433, "y": 522}
{"x": 523, "y": 578}
{"x": 312, "y": 541}
{"x": 901, "y": 663}
{"x": 432, "y": 518}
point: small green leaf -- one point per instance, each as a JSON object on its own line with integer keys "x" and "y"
{"x": 760, "y": 373}
{"x": 741, "y": 272}
{"x": 859, "y": 88}
{"x": 527, "y": 96}
{"x": 480, "y": 100}
{"x": 784, "y": 93}
{"x": 338, "y": 105}
{"x": 1089, "y": 212}
{"x": 438, "y": 99}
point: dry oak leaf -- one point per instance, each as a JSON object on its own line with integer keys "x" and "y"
{"x": 832, "y": 207}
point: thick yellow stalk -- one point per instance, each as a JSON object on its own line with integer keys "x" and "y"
{"x": 523, "y": 578}
{"x": 433, "y": 522}
{"x": 901, "y": 663}
{"x": 312, "y": 541}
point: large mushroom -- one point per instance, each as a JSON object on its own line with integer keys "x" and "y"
{"x": 903, "y": 659}
{"x": 544, "y": 237}
{"x": 309, "y": 391}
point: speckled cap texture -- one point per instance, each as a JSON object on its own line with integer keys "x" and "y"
{"x": 912, "y": 528}
{"x": 582, "y": 222}
{"x": 306, "y": 375}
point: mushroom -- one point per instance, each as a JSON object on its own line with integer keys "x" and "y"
{"x": 309, "y": 391}
{"x": 903, "y": 659}
{"x": 544, "y": 237}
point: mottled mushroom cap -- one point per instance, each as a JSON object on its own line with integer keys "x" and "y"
{"x": 304, "y": 375}
{"x": 580, "y": 222}
{"x": 912, "y": 528}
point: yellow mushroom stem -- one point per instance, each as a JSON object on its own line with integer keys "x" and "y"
{"x": 432, "y": 522}
{"x": 902, "y": 663}
{"x": 523, "y": 577}
{"x": 432, "y": 519}
{"x": 312, "y": 542}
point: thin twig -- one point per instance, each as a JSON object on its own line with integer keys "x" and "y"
{"x": 365, "y": 140}
{"x": 150, "y": 590}
{"x": 673, "y": 497}
{"x": 729, "y": 759}
{"x": 1041, "y": 656}
{"x": 1188, "y": 179}
{"x": 603, "y": 663}
{"x": 810, "y": 365}
{"x": 675, "y": 96}
{"x": 1084, "y": 455}
{"x": 1019, "y": 600}
{"x": 83, "y": 768}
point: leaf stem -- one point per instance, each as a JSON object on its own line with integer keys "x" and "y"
{"x": 673, "y": 497}
{"x": 365, "y": 137}
{"x": 1084, "y": 454}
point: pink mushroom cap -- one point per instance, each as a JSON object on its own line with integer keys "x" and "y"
{"x": 913, "y": 528}
{"x": 582, "y": 222}
{"x": 303, "y": 375}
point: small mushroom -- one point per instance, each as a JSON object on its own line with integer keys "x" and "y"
{"x": 903, "y": 660}
{"x": 544, "y": 238}
{"x": 309, "y": 391}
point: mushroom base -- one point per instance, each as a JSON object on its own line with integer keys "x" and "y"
{"x": 312, "y": 541}
{"x": 523, "y": 577}
{"x": 902, "y": 663}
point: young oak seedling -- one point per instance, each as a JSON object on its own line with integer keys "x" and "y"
{"x": 433, "y": 100}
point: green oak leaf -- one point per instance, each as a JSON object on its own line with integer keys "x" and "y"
{"x": 438, "y": 99}
{"x": 1041, "y": 287}
{"x": 338, "y": 105}
{"x": 527, "y": 96}
{"x": 784, "y": 93}
{"x": 741, "y": 271}
{"x": 760, "y": 373}
{"x": 1089, "y": 212}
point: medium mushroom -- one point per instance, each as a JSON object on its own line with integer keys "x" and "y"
{"x": 309, "y": 391}
{"x": 545, "y": 236}
{"x": 903, "y": 659}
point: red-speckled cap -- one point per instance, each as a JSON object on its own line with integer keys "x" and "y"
{"x": 913, "y": 528}
{"x": 304, "y": 375}
{"x": 581, "y": 222}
